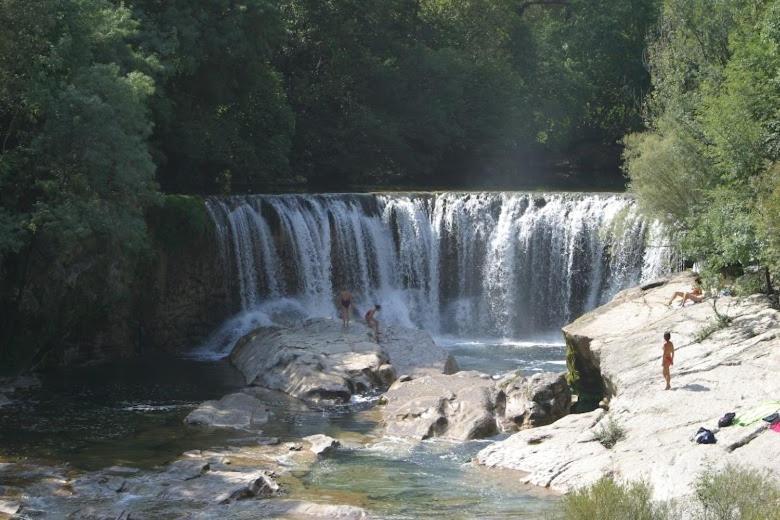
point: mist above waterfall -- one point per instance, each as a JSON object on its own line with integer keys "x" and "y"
{"x": 466, "y": 264}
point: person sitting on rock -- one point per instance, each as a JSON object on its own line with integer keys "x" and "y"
{"x": 668, "y": 359}
{"x": 372, "y": 322}
{"x": 696, "y": 295}
{"x": 345, "y": 307}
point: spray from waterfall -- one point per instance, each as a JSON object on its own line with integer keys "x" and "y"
{"x": 470, "y": 264}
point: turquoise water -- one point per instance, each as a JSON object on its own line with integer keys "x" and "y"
{"x": 131, "y": 414}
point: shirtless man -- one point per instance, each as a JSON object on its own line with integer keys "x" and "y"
{"x": 345, "y": 307}
{"x": 696, "y": 295}
{"x": 668, "y": 359}
{"x": 371, "y": 321}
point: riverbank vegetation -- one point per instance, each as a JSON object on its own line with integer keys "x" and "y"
{"x": 109, "y": 107}
{"x": 733, "y": 493}
{"x": 708, "y": 164}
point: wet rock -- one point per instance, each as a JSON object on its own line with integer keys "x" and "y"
{"x": 460, "y": 406}
{"x": 9, "y": 385}
{"x": 321, "y": 362}
{"x": 616, "y": 351}
{"x": 239, "y": 410}
{"x": 321, "y": 444}
{"x": 8, "y": 507}
{"x": 534, "y": 401}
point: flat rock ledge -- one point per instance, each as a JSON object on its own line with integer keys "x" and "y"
{"x": 321, "y": 362}
{"x": 615, "y": 351}
{"x": 472, "y": 405}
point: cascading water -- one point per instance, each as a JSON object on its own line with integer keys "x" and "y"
{"x": 468, "y": 264}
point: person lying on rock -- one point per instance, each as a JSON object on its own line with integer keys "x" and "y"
{"x": 696, "y": 295}
{"x": 372, "y": 322}
{"x": 668, "y": 359}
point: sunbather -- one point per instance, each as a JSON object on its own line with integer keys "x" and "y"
{"x": 696, "y": 295}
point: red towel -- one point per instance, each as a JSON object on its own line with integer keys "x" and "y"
{"x": 776, "y": 427}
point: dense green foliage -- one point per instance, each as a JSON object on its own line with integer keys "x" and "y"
{"x": 733, "y": 493}
{"x": 708, "y": 163}
{"x": 75, "y": 168}
{"x": 104, "y": 104}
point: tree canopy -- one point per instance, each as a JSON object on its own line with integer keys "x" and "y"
{"x": 708, "y": 163}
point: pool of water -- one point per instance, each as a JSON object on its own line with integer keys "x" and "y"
{"x": 498, "y": 356}
{"x": 131, "y": 414}
{"x": 125, "y": 413}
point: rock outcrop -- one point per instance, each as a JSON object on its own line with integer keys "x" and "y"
{"x": 615, "y": 354}
{"x": 459, "y": 406}
{"x": 321, "y": 362}
{"x": 534, "y": 401}
{"x": 471, "y": 405}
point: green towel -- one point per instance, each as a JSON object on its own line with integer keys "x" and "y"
{"x": 754, "y": 415}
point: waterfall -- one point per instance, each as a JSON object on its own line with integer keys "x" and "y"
{"x": 472, "y": 264}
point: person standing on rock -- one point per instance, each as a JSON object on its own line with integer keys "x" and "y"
{"x": 372, "y": 322}
{"x": 668, "y": 359}
{"x": 345, "y": 307}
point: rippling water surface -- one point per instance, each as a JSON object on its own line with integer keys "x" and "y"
{"x": 131, "y": 414}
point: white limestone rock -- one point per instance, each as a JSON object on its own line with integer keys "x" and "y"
{"x": 459, "y": 406}
{"x": 735, "y": 369}
{"x": 321, "y": 362}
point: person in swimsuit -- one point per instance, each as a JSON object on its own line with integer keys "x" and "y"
{"x": 696, "y": 295}
{"x": 345, "y": 307}
{"x": 371, "y": 321}
{"x": 668, "y": 359}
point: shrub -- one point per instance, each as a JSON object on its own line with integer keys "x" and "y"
{"x": 611, "y": 500}
{"x": 733, "y": 493}
{"x": 736, "y": 493}
{"x": 609, "y": 432}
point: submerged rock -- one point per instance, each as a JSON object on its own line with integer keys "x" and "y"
{"x": 322, "y": 362}
{"x": 207, "y": 483}
{"x": 615, "y": 353}
{"x": 289, "y": 509}
{"x": 239, "y": 410}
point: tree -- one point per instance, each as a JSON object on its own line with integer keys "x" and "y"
{"x": 75, "y": 172}
{"x": 222, "y": 121}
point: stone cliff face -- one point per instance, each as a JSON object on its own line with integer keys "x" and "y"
{"x": 615, "y": 352}
{"x": 186, "y": 300}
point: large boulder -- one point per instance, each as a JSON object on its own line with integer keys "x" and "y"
{"x": 534, "y": 401}
{"x": 460, "y": 406}
{"x": 614, "y": 353}
{"x": 239, "y": 410}
{"x": 321, "y": 362}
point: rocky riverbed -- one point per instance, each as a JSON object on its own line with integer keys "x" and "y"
{"x": 297, "y": 441}
{"x": 616, "y": 351}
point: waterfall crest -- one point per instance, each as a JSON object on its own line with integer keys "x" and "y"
{"x": 473, "y": 264}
